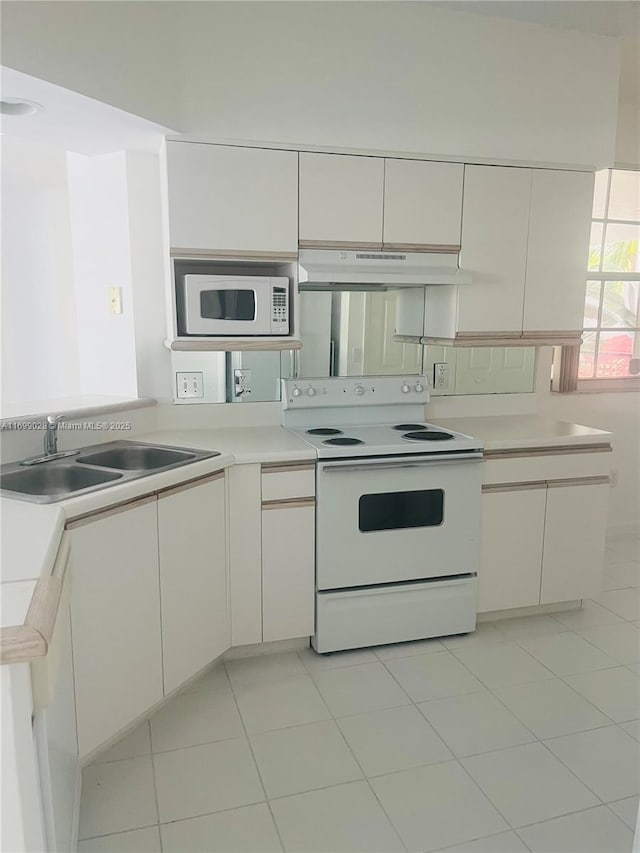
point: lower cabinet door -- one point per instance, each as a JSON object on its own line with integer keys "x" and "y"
{"x": 193, "y": 585}
{"x": 288, "y": 555}
{"x": 574, "y": 541}
{"x": 512, "y": 540}
{"x": 115, "y": 621}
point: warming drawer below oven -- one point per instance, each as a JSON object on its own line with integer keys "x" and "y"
{"x": 351, "y": 619}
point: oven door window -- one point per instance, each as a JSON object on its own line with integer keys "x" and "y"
{"x": 228, "y": 304}
{"x": 400, "y": 510}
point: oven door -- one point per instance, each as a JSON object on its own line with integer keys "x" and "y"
{"x": 227, "y": 305}
{"x": 406, "y": 518}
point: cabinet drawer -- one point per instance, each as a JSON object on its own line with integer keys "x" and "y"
{"x": 561, "y": 464}
{"x": 293, "y": 481}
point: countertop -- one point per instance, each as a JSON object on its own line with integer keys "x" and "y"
{"x": 31, "y": 533}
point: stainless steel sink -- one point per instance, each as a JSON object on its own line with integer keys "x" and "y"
{"x": 95, "y": 467}
{"x": 136, "y": 457}
{"x": 55, "y": 480}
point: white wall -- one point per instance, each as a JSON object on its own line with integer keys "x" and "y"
{"x": 384, "y": 75}
{"x": 40, "y": 356}
{"x": 102, "y": 259}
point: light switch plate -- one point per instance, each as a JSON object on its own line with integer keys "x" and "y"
{"x": 189, "y": 385}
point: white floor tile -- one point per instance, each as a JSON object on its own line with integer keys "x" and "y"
{"x": 214, "y": 679}
{"x": 246, "y": 830}
{"x": 616, "y": 692}
{"x": 343, "y": 819}
{"x": 194, "y": 718}
{"x": 632, "y": 728}
{"x": 551, "y": 708}
{"x": 623, "y": 602}
{"x": 505, "y": 842}
{"x": 475, "y": 723}
{"x": 486, "y": 633}
{"x": 621, "y": 576}
{"x": 626, "y": 810}
{"x": 264, "y": 668}
{"x": 117, "y": 796}
{"x": 634, "y": 667}
{"x": 403, "y": 650}
{"x": 590, "y": 615}
{"x": 368, "y": 687}
{"x": 433, "y": 676}
{"x": 527, "y": 784}
{"x": 134, "y": 745}
{"x": 313, "y": 662}
{"x": 567, "y": 654}
{"x": 207, "y": 778}
{"x": 436, "y": 806}
{"x": 135, "y": 841}
{"x": 499, "y": 666}
{"x": 607, "y": 760}
{"x": 520, "y": 627}
{"x": 279, "y": 704}
{"x": 621, "y": 642}
{"x": 395, "y": 739}
{"x": 593, "y": 831}
{"x": 300, "y": 759}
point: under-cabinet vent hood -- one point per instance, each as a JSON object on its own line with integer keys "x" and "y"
{"x": 322, "y": 268}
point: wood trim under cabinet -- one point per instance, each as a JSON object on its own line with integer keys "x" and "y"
{"x": 189, "y": 484}
{"x": 235, "y": 254}
{"x": 427, "y": 248}
{"x": 289, "y": 503}
{"x": 499, "y": 339}
{"x": 104, "y": 512}
{"x": 514, "y": 487}
{"x": 229, "y": 345}
{"x": 285, "y": 467}
{"x": 554, "y": 450}
{"x": 579, "y": 481}
{"x": 348, "y": 245}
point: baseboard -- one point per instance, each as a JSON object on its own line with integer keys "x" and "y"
{"x": 623, "y": 531}
{"x": 536, "y": 610}
{"x": 272, "y": 648}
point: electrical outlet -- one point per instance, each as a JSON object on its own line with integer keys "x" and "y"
{"x": 241, "y": 382}
{"x": 189, "y": 385}
{"x": 441, "y": 375}
{"x": 115, "y": 300}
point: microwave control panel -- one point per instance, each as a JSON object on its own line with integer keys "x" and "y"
{"x": 280, "y": 310}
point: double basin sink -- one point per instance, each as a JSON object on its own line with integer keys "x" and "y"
{"x": 92, "y": 468}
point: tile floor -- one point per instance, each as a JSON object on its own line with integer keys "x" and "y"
{"x": 522, "y": 736}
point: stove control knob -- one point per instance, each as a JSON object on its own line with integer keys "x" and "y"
{"x": 359, "y": 389}
{"x": 311, "y": 391}
{"x": 405, "y": 388}
{"x": 418, "y": 387}
{"x": 296, "y": 392}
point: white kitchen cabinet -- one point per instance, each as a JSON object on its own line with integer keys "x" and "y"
{"x": 341, "y": 198}
{"x": 574, "y": 540}
{"x": 495, "y": 225}
{"x": 115, "y": 618}
{"x": 558, "y": 250}
{"x": 245, "y": 554}
{"x": 513, "y": 520}
{"x": 227, "y": 199}
{"x": 288, "y": 555}
{"x": 193, "y": 578}
{"x": 422, "y": 205}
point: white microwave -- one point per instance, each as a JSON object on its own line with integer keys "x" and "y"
{"x": 236, "y": 305}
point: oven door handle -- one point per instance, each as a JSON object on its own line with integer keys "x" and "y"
{"x": 381, "y": 466}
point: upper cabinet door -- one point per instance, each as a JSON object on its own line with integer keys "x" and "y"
{"x": 422, "y": 204}
{"x": 557, "y": 254}
{"x": 341, "y": 200}
{"x": 225, "y": 199}
{"x": 495, "y": 221}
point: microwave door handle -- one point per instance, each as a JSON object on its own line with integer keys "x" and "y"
{"x": 381, "y": 466}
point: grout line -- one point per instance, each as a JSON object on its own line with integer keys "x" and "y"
{"x": 155, "y": 784}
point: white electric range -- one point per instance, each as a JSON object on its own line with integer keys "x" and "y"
{"x": 397, "y": 515}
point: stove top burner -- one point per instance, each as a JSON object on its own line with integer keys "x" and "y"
{"x": 343, "y": 441}
{"x": 408, "y": 427}
{"x": 427, "y": 435}
{"x": 324, "y": 431}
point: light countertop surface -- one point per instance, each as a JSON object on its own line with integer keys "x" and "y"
{"x": 504, "y": 432}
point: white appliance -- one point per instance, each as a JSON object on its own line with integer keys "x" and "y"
{"x": 322, "y": 267}
{"x": 398, "y": 511}
{"x": 235, "y": 305}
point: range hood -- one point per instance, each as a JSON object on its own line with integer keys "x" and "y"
{"x": 360, "y": 269}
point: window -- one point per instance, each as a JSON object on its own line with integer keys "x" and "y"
{"x": 610, "y": 352}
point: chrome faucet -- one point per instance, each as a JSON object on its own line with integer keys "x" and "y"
{"x": 51, "y": 435}
{"x": 51, "y": 443}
